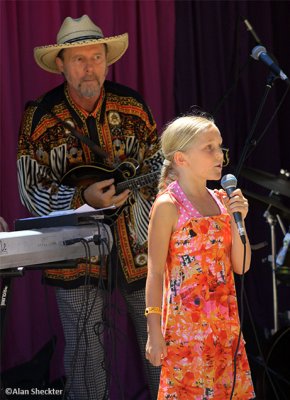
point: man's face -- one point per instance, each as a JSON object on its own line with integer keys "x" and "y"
{"x": 85, "y": 69}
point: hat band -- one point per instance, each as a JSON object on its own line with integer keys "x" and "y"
{"x": 81, "y": 38}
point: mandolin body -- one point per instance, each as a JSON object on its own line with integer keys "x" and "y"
{"x": 125, "y": 177}
{"x": 85, "y": 175}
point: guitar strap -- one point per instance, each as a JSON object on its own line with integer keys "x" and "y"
{"x": 92, "y": 142}
{"x": 96, "y": 149}
{"x": 92, "y": 128}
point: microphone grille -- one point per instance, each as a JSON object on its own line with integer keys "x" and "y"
{"x": 256, "y": 52}
{"x": 229, "y": 181}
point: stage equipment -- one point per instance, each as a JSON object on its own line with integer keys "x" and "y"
{"x": 60, "y": 241}
{"x": 278, "y": 185}
{"x": 260, "y": 53}
{"x": 42, "y": 246}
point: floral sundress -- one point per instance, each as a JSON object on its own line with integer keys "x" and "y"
{"x": 200, "y": 319}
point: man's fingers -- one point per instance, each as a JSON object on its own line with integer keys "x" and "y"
{"x": 120, "y": 198}
{"x": 103, "y": 184}
{"x": 3, "y": 225}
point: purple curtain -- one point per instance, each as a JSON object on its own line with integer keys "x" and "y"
{"x": 147, "y": 67}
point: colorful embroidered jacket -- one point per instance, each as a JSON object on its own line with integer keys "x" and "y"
{"x": 124, "y": 128}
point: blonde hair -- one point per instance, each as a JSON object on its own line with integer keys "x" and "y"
{"x": 178, "y": 136}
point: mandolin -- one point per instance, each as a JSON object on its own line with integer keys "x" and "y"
{"x": 125, "y": 176}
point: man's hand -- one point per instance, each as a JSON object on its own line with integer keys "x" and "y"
{"x": 3, "y": 225}
{"x": 102, "y": 194}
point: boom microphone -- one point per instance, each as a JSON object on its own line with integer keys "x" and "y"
{"x": 260, "y": 53}
{"x": 229, "y": 184}
{"x": 251, "y": 30}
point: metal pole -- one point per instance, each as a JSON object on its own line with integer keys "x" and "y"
{"x": 272, "y": 222}
{"x": 274, "y": 282}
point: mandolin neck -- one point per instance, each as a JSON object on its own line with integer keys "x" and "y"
{"x": 137, "y": 183}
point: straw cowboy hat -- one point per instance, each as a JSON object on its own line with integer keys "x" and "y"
{"x": 75, "y": 33}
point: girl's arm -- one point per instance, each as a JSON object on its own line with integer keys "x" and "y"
{"x": 163, "y": 220}
{"x": 238, "y": 203}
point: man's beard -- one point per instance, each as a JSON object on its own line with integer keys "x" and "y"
{"x": 89, "y": 89}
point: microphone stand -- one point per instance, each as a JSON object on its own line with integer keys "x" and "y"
{"x": 249, "y": 143}
{"x": 271, "y": 220}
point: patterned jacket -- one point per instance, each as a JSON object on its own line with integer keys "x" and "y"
{"x": 125, "y": 129}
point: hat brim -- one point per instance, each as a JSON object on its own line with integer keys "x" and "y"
{"x": 45, "y": 55}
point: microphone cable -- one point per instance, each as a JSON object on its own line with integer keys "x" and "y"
{"x": 86, "y": 308}
{"x": 237, "y": 72}
{"x": 50, "y": 326}
{"x": 100, "y": 327}
{"x": 241, "y": 323}
{"x": 248, "y": 140}
{"x": 264, "y": 364}
{"x": 102, "y": 239}
{"x": 70, "y": 378}
{"x": 112, "y": 311}
{"x": 243, "y": 296}
{"x": 267, "y": 369}
{"x": 257, "y": 141}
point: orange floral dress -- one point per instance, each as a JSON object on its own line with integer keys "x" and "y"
{"x": 200, "y": 319}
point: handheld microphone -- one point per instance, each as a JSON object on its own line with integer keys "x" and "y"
{"x": 260, "y": 53}
{"x": 251, "y": 30}
{"x": 229, "y": 184}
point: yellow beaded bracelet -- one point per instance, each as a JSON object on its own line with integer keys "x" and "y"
{"x": 152, "y": 310}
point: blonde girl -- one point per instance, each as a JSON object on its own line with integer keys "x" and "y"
{"x": 194, "y": 249}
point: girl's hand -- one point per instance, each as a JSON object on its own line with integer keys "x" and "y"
{"x": 236, "y": 203}
{"x": 156, "y": 349}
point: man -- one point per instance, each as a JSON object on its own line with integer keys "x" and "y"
{"x": 83, "y": 121}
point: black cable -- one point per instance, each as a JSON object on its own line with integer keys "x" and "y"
{"x": 51, "y": 329}
{"x": 79, "y": 333}
{"x": 237, "y": 72}
{"x": 248, "y": 140}
{"x": 241, "y": 323}
{"x": 99, "y": 327}
{"x": 221, "y": 101}
{"x": 256, "y": 142}
{"x": 110, "y": 309}
{"x": 259, "y": 347}
{"x": 266, "y": 365}
{"x": 87, "y": 312}
{"x": 100, "y": 241}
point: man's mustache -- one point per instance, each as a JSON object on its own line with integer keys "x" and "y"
{"x": 90, "y": 78}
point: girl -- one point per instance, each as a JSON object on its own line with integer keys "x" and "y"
{"x": 194, "y": 248}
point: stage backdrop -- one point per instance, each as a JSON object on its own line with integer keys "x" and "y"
{"x": 182, "y": 54}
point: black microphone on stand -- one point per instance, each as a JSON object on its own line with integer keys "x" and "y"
{"x": 260, "y": 53}
{"x": 229, "y": 184}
